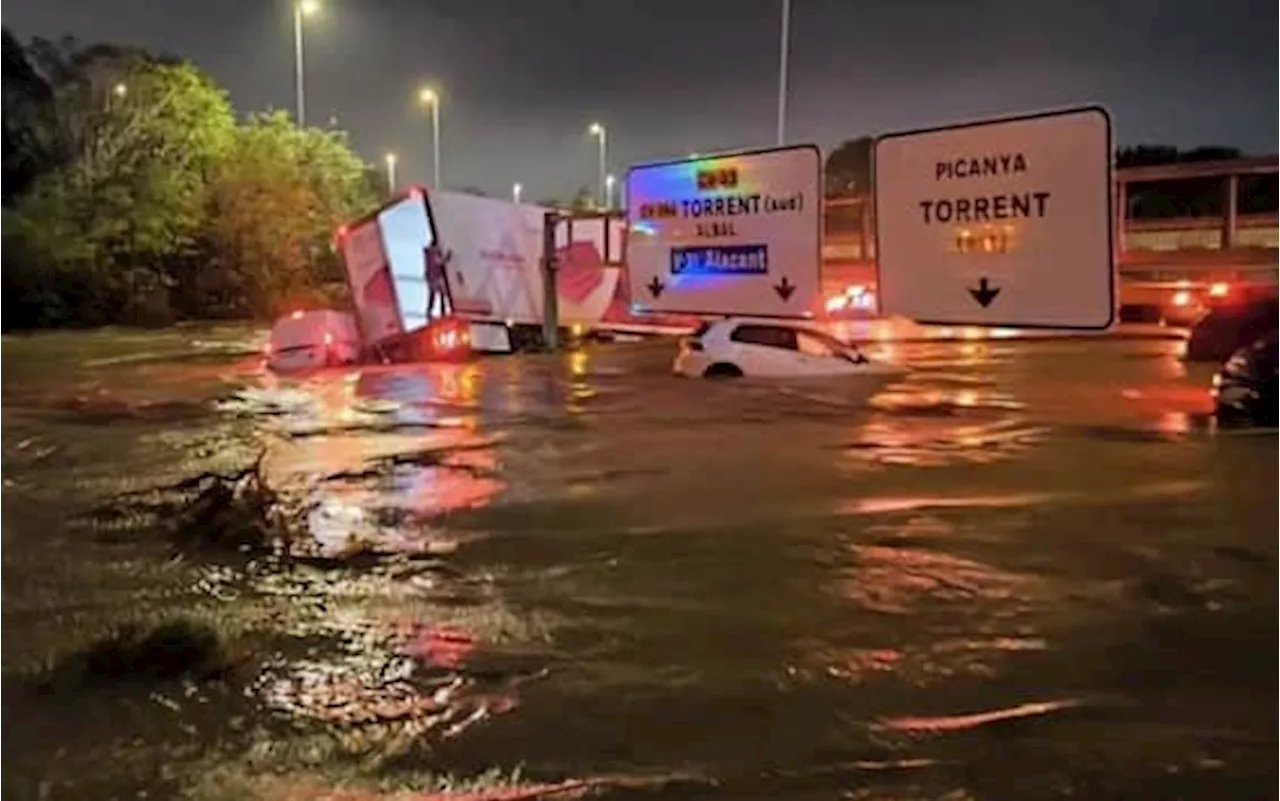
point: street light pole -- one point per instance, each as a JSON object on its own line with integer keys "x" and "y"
{"x": 597, "y": 130}
{"x": 609, "y": 183}
{"x": 431, "y": 98}
{"x": 391, "y": 172}
{"x": 516, "y": 189}
{"x": 435, "y": 141}
{"x": 783, "y": 48}
{"x": 301, "y": 8}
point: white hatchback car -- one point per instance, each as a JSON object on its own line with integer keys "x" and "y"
{"x": 739, "y": 347}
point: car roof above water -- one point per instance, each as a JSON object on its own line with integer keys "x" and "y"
{"x": 308, "y": 328}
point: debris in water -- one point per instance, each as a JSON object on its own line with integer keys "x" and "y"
{"x": 237, "y": 511}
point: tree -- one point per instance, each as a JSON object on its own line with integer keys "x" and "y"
{"x": 27, "y": 99}
{"x": 127, "y": 143}
{"x": 848, "y": 169}
{"x": 583, "y": 200}
{"x": 378, "y": 181}
{"x": 1145, "y": 156}
{"x": 1192, "y": 197}
{"x": 1156, "y": 155}
{"x": 276, "y": 201}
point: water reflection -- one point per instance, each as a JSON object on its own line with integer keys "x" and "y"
{"x": 376, "y": 456}
{"x": 951, "y": 600}
{"x": 892, "y": 580}
{"x": 917, "y": 442}
{"x": 424, "y": 647}
{"x": 410, "y": 679}
{"x": 580, "y": 389}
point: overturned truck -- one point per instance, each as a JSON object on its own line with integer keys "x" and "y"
{"x": 437, "y": 275}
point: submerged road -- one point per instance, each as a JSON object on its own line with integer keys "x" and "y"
{"x": 1030, "y": 570}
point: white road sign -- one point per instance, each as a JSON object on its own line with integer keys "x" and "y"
{"x": 734, "y": 234}
{"x": 999, "y": 223}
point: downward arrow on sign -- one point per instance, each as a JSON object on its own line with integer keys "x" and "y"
{"x": 655, "y": 287}
{"x": 985, "y": 293}
{"x": 785, "y": 289}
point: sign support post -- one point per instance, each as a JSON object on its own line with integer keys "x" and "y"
{"x": 550, "y": 298}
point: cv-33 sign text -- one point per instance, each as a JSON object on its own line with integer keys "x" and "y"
{"x": 715, "y": 216}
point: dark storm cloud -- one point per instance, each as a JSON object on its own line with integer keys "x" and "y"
{"x": 522, "y": 79}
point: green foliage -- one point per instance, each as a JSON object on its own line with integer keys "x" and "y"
{"x": 584, "y": 200}
{"x": 1192, "y": 197}
{"x": 275, "y": 204}
{"x": 134, "y": 142}
{"x": 26, "y": 98}
{"x": 1154, "y": 155}
{"x": 132, "y": 194}
{"x": 848, "y": 169}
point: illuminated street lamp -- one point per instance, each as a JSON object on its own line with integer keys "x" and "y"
{"x": 391, "y": 172}
{"x": 120, "y": 89}
{"x": 597, "y": 130}
{"x": 609, "y": 182}
{"x": 516, "y": 189}
{"x": 301, "y": 8}
{"x": 429, "y": 97}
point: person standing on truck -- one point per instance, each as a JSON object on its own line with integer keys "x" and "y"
{"x": 437, "y": 266}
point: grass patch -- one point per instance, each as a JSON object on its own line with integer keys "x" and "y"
{"x": 169, "y": 649}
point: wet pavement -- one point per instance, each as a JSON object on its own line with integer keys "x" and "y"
{"x": 1031, "y": 569}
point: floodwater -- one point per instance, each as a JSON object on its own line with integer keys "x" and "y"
{"x": 1029, "y": 570}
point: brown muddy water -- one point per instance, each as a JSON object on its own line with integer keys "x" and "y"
{"x": 1029, "y": 570}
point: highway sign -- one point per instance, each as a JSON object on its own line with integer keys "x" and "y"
{"x": 739, "y": 233}
{"x": 1003, "y": 222}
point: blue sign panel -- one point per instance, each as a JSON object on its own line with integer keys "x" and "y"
{"x": 720, "y": 260}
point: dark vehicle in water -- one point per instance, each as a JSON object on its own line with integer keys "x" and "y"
{"x": 1244, "y": 390}
{"x": 1232, "y": 325}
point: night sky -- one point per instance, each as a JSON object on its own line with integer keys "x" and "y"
{"x": 521, "y": 79}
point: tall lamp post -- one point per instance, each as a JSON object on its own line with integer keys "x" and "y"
{"x": 783, "y": 48}
{"x": 597, "y": 130}
{"x": 609, "y": 183}
{"x": 391, "y": 172}
{"x": 301, "y": 8}
{"x": 429, "y": 97}
{"x": 516, "y": 189}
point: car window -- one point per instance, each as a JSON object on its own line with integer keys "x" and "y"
{"x": 771, "y": 336}
{"x": 835, "y": 344}
{"x": 813, "y": 345}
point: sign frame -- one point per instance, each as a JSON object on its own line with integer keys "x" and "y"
{"x": 820, "y": 220}
{"x": 1111, "y": 263}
